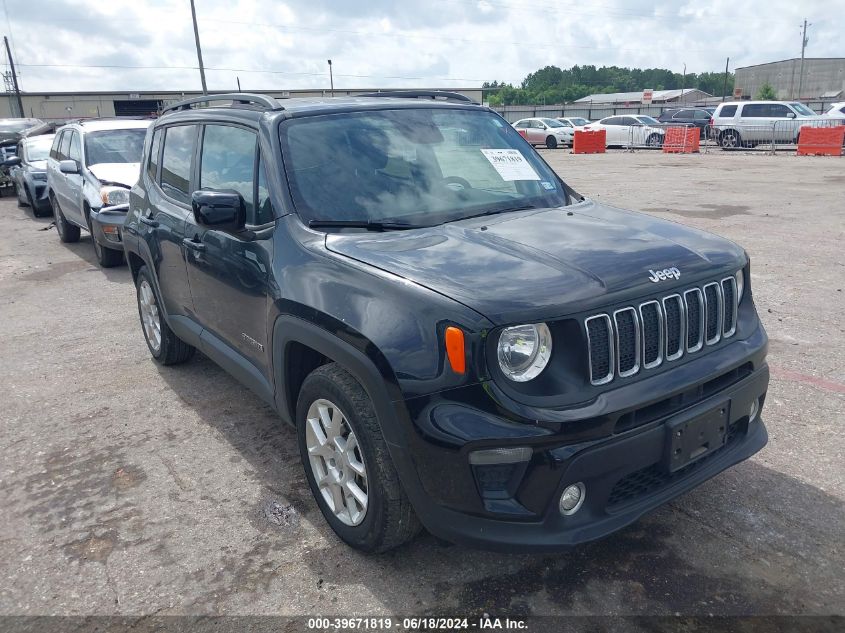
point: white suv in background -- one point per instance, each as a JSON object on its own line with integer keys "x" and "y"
{"x": 91, "y": 167}
{"x": 750, "y": 123}
{"x": 836, "y": 111}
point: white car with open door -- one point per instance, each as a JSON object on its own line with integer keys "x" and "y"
{"x": 637, "y": 130}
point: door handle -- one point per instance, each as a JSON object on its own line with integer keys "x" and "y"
{"x": 148, "y": 221}
{"x": 194, "y": 246}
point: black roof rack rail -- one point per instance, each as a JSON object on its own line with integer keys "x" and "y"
{"x": 421, "y": 94}
{"x": 269, "y": 103}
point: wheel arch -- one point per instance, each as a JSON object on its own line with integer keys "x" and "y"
{"x": 300, "y": 346}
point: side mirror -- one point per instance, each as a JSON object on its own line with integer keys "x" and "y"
{"x": 12, "y": 161}
{"x": 790, "y": 115}
{"x": 69, "y": 167}
{"x": 221, "y": 210}
{"x": 542, "y": 126}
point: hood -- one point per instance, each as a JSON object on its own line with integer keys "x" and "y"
{"x": 38, "y": 165}
{"x": 119, "y": 173}
{"x": 541, "y": 264}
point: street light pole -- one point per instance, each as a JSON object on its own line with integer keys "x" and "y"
{"x": 804, "y": 42}
{"x": 14, "y": 76}
{"x": 199, "y": 50}
{"x": 331, "y": 77}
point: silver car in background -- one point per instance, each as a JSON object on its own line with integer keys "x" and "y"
{"x": 548, "y": 132}
{"x": 29, "y": 173}
{"x": 90, "y": 169}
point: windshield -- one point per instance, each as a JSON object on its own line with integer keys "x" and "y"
{"x": 800, "y": 108}
{"x": 552, "y": 122}
{"x": 648, "y": 120}
{"x": 414, "y": 166}
{"x": 114, "y": 146}
{"x": 39, "y": 149}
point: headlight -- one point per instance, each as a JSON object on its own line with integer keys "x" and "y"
{"x": 114, "y": 195}
{"x": 740, "y": 285}
{"x": 524, "y": 351}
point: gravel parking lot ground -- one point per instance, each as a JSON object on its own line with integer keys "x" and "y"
{"x": 127, "y": 488}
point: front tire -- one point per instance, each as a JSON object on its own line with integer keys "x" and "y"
{"x": 551, "y": 142}
{"x": 730, "y": 139}
{"x": 654, "y": 140}
{"x": 106, "y": 257}
{"x": 165, "y": 347}
{"x": 347, "y": 463}
{"x": 68, "y": 232}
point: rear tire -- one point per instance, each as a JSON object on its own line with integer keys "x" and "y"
{"x": 68, "y": 232}
{"x": 342, "y": 446}
{"x": 551, "y": 142}
{"x": 165, "y": 347}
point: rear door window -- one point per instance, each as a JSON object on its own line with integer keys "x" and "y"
{"x": 176, "y": 161}
{"x": 755, "y": 110}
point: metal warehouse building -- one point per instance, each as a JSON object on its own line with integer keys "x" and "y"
{"x": 663, "y": 97}
{"x": 73, "y": 105}
{"x": 823, "y": 77}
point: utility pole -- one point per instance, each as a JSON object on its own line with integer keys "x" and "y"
{"x": 804, "y": 41}
{"x": 199, "y": 50}
{"x": 725, "y": 85}
{"x": 683, "y": 83}
{"x": 14, "y": 76}
{"x": 331, "y": 77}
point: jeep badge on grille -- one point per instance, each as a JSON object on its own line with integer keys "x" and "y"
{"x": 666, "y": 273}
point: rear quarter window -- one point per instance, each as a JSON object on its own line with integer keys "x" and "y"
{"x": 727, "y": 111}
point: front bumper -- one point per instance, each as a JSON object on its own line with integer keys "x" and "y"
{"x": 623, "y": 473}
{"x": 107, "y": 226}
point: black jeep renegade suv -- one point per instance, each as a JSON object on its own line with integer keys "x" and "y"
{"x": 460, "y": 339}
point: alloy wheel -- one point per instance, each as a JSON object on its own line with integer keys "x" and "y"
{"x": 336, "y": 461}
{"x": 150, "y": 316}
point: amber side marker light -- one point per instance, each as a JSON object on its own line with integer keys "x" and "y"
{"x": 455, "y": 349}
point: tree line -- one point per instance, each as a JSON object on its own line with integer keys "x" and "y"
{"x": 553, "y": 85}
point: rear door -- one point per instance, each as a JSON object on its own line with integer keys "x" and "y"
{"x": 228, "y": 272}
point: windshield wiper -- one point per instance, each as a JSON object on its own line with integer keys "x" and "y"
{"x": 370, "y": 225}
{"x": 523, "y": 207}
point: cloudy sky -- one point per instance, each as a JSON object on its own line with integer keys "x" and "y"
{"x": 70, "y": 45}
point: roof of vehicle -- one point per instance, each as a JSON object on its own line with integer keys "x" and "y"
{"x": 757, "y": 101}
{"x": 306, "y": 106}
{"x": 98, "y": 125}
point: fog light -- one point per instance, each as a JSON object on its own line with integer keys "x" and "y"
{"x": 572, "y": 499}
{"x": 754, "y": 411}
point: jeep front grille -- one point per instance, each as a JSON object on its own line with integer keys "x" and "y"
{"x": 631, "y": 339}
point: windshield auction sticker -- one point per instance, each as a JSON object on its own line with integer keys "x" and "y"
{"x": 511, "y": 164}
